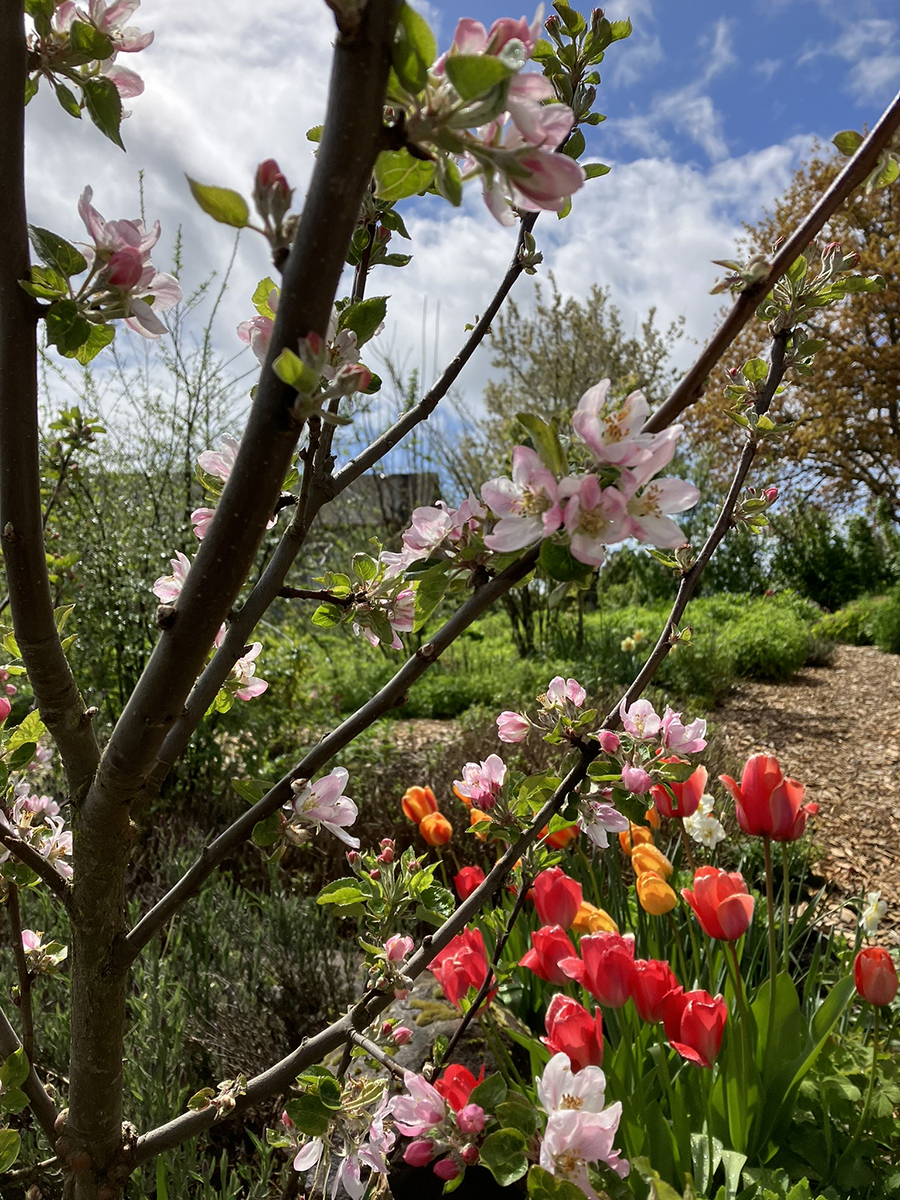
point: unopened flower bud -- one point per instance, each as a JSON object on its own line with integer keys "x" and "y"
{"x": 353, "y": 857}
{"x": 386, "y": 1028}
{"x": 419, "y": 1152}
{"x": 375, "y": 873}
{"x": 402, "y": 1035}
{"x": 446, "y": 1169}
{"x": 125, "y": 268}
{"x": 471, "y": 1118}
{"x": 609, "y": 741}
{"x": 271, "y": 191}
{"x": 470, "y": 1155}
{"x": 387, "y": 855}
{"x": 771, "y": 494}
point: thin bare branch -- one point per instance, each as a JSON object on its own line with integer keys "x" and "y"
{"x": 378, "y": 1054}
{"x": 26, "y": 1009}
{"x": 390, "y": 695}
{"x": 693, "y": 384}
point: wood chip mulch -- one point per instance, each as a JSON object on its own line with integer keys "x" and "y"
{"x": 837, "y": 730}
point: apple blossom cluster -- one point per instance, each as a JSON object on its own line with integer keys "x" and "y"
{"x": 121, "y": 284}
{"x": 42, "y": 958}
{"x": 321, "y": 804}
{"x": 74, "y": 45}
{"x": 36, "y": 820}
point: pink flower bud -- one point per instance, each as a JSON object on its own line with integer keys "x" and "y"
{"x": 353, "y": 857}
{"x": 771, "y": 494}
{"x": 402, "y": 1035}
{"x": 10, "y": 689}
{"x": 375, "y": 874}
{"x": 470, "y": 1155}
{"x": 286, "y": 1120}
{"x": 636, "y": 779}
{"x": 471, "y": 1118}
{"x": 419, "y": 1152}
{"x": 269, "y": 176}
{"x": 397, "y": 947}
{"x": 386, "y": 842}
{"x": 125, "y": 268}
{"x": 512, "y": 727}
{"x": 5, "y": 709}
{"x": 609, "y": 742}
{"x": 386, "y": 856}
{"x": 446, "y": 1169}
{"x": 386, "y": 1029}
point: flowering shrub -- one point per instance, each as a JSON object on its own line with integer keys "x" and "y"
{"x": 709, "y": 1040}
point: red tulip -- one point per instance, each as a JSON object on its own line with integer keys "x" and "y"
{"x": 695, "y": 1023}
{"x": 468, "y": 879}
{"x": 687, "y": 794}
{"x": 571, "y": 1030}
{"x": 651, "y": 983}
{"x": 767, "y": 804}
{"x": 875, "y": 975}
{"x": 721, "y": 903}
{"x": 605, "y": 967}
{"x": 557, "y": 898}
{"x": 456, "y": 1085}
{"x": 461, "y": 965}
{"x": 550, "y": 946}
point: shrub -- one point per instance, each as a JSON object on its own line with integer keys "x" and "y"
{"x": 768, "y": 642}
{"x": 885, "y": 623}
{"x": 851, "y": 624}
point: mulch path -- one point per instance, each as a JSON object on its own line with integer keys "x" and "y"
{"x": 836, "y": 729}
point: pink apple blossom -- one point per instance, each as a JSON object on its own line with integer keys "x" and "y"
{"x": 527, "y": 504}
{"x": 321, "y": 803}
{"x": 610, "y": 743}
{"x": 681, "y": 738}
{"x": 611, "y": 429}
{"x": 579, "y": 1129}
{"x": 648, "y": 517}
{"x": 636, "y": 779}
{"x": 220, "y": 463}
{"x": 512, "y": 727}
{"x": 597, "y": 819}
{"x": 550, "y": 179}
{"x": 244, "y": 671}
{"x": 168, "y": 587}
{"x": 399, "y": 612}
{"x": 397, "y": 947}
{"x": 257, "y": 333}
{"x": 641, "y": 720}
{"x": 594, "y": 517}
{"x": 560, "y": 690}
{"x": 481, "y": 782}
{"x": 200, "y": 519}
{"x": 420, "y": 1110}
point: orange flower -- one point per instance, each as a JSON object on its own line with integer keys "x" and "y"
{"x": 590, "y": 919}
{"x": 655, "y": 895}
{"x": 476, "y": 815}
{"x": 648, "y": 858}
{"x": 653, "y": 818}
{"x": 467, "y": 800}
{"x": 561, "y": 838}
{"x": 418, "y": 803}
{"x": 634, "y": 836}
{"x": 436, "y": 829}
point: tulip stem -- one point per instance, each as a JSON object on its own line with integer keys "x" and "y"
{"x": 869, "y": 1090}
{"x": 682, "y": 961}
{"x": 687, "y": 845}
{"x": 739, "y": 985}
{"x": 773, "y": 954}
{"x": 786, "y": 909}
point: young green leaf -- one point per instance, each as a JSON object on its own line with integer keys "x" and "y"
{"x": 56, "y": 252}
{"x": 398, "y": 175}
{"x": 222, "y": 204}
{"x": 104, "y": 106}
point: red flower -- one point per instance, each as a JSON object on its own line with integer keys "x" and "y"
{"x": 651, "y": 982}
{"x": 557, "y": 898}
{"x": 721, "y": 903}
{"x": 571, "y": 1030}
{"x": 687, "y": 794}
{"x": 457, "y": 1084}
{"x": 767, "y": 804}
{"x": 462, "y": 964}
{"x": 468, "y": 879}
{"x": 605, "y": 967}
{"x": 875, "y": 975}
{"x": 550, "y": 946}
{"x": 695, "y": 1023}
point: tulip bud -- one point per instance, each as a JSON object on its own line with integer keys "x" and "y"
{"x": 875, "y": 975}
{"x": 436, "y": 829}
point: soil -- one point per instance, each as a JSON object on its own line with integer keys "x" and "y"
{"x": 837, "y": 730}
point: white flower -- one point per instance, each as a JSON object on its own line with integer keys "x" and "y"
{"x": 872, "y": 914}
{"x": 703, "y": 827}
{"x": 321, "y": 803}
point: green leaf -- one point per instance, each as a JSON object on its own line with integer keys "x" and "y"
{"x": 68, "y": 101}
{"x": 66, "y": 327}
{"x": 327, "y": 616}
{"x": 314, "y": 134}
{"x": 260, "y": 297}
{"x": 474, "y": 75}
{"x": 503, "y": 1153}
{"x": 14, "y": 1071}
{"x": 22, "y": 756}
{"x": 364, "y": 317}
{"x": 755, "y": 370}
{"x": 546, "y": 441}
{"x": 490, "y": 1093}
{"x": 544, "y": 1186}
{"x": 292, "y": 370}
{"x": 45, "y": 284}
{"x": 10, "y": 1144}
{"x": 266, "y": 832}
{"x": 516, "y": 1113}
{"x": 848, "y": 142}
{"x": 32, "y": 83}
{"x": 559, "y": 564}
{"x": 621, "y": 29}
{"x": 88, "y": 43}
{"x": 56, "y": 252}
{"x": 309, "y": 1114}
{"x": 15, "y": 1100}
{"x": 31, "y": 729}
{"x": 398, "y": 175}
{"x": 574, "y": 145}
{"x": 414, "y": 49}
{"x": 595, "y": 170}
{"x": 104, "y": 106}
{"x": 430, "y": 591}
{"x": 448, "y": 181}
{"x": 98, "y": 339}
{"x": 222, "y": 204}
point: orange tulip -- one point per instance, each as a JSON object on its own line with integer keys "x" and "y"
{"x": 475, "y": 816}
{"x": 561, "y": 838}
{"x": 418, "y": 803}
{"x": 436, "y": 829}
{"x": 590, "y": 919}
{"x": 634, "y": 836}
{"x": 648, "y": 858}
{"x": 655, "y": 895}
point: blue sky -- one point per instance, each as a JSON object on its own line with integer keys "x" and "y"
{"x": 710, "y": 108}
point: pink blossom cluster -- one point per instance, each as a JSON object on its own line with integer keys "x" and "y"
{"x": 321, "y": 804}
{"x": 108, "y": 19}
{"x": 444, "y": 1125}
{"x": 123, "y": 282}
{"x": 358, "y": 1136}
{"x": 219, "y": 464}
{"x": 617, "y": 498}
{"x": 481, "y": 782}
{"x": 436, "y": 531}
{"x": 37, "y": 821}
{"x": 558, "y": 705}
{"x": 513, "y": 152}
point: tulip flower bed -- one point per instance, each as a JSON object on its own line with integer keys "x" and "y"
{"x": 679, "y": 1031}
